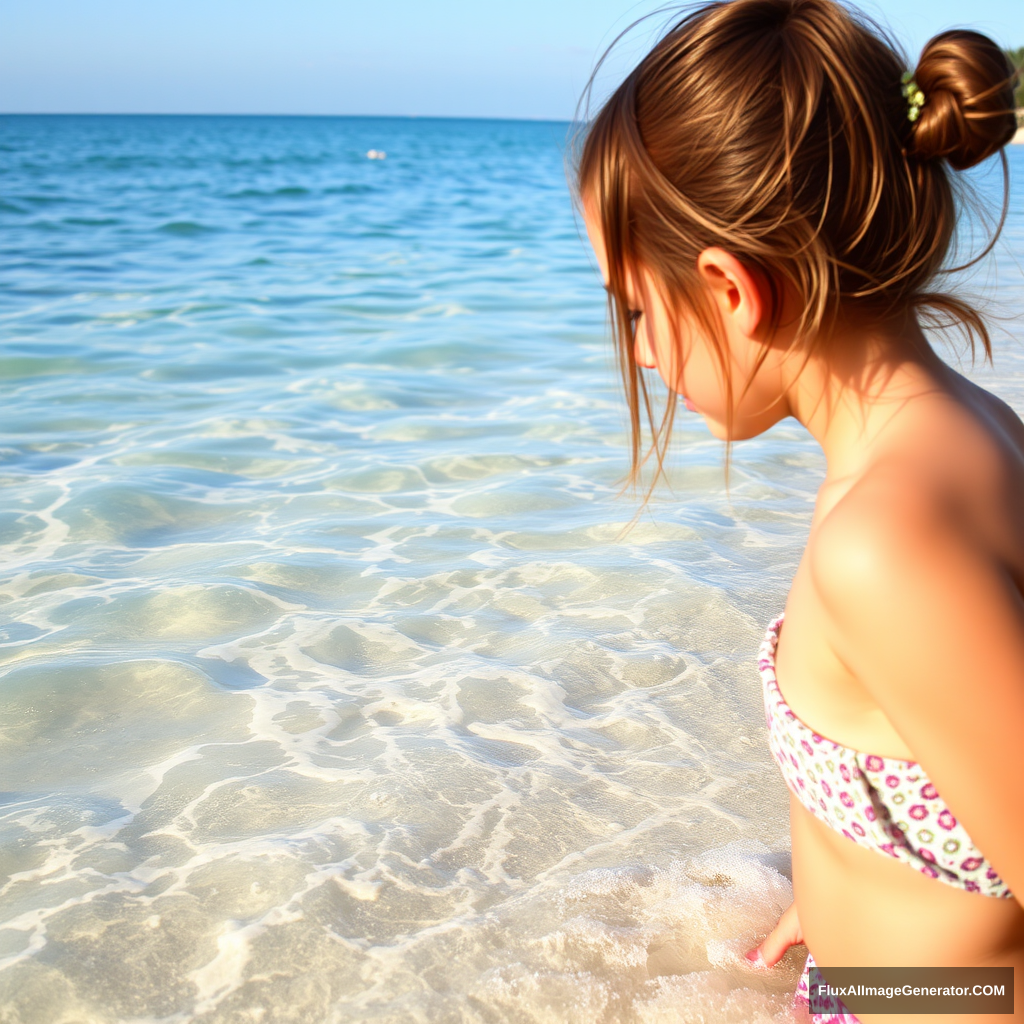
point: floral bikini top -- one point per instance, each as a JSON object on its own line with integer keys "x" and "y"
{"x": 882, "y": 803}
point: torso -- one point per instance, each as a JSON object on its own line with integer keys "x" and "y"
{"x": 857, "y": 907}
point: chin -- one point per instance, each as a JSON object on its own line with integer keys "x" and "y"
{"x": 718, "y": 429}
{"x": 740, "y": 431}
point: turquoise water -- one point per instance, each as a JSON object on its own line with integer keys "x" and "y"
{"x": 330, "y": 689}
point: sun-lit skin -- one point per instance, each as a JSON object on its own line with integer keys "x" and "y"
{"x": 904, "y": 630}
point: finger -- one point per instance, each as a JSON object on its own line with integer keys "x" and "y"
{"x": 785, "y": 934}
{"x": 774, "y": 947}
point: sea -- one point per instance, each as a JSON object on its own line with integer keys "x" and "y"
{"x": 341, "y": 680}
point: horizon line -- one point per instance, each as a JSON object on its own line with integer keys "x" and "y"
{"x": 397, "y": 117}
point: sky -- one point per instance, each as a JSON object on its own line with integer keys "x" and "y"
{"x": 446, "y": 58}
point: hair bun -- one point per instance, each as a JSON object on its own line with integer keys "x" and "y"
{"x": 968, "y": 112}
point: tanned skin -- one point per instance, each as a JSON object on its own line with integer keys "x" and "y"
{"x": 904, "y": 632}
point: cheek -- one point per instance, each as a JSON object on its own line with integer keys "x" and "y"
{"x": 705, "y": 390}
{"x": 698, "y": 375}
{"x": 684, "y": 359}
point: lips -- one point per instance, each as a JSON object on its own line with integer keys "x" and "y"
{"x": 689, "y": 405}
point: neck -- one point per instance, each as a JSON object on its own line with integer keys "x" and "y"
{"x": 852, "y": 385}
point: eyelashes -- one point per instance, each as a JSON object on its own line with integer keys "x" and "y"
{"x": 634, "y": 318}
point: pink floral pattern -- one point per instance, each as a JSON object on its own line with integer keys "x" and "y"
{"x": 882, "y": 803}
{"x": 837, "y": 1013}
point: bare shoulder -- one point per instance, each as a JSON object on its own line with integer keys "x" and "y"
{"x": 894, "y": 528}
{"x": 1002, "y": 416}
{"x": 919, "y": 516}
{"x": 917, "y": 596}
{"x": 907, "y": 564}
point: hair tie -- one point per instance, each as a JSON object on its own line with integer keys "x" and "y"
{"x": 914, "y": 96}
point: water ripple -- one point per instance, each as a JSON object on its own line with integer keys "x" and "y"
{"x": 331, "y": 689}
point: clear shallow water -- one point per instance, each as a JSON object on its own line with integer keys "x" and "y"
{"x": 329, "y": 691}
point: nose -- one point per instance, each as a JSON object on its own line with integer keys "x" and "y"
{"x": 643, "y": 350}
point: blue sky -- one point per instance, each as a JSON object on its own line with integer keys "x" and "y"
{"x": 470, "y": 58}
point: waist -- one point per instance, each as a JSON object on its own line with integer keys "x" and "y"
{"x": 859, "y": 909}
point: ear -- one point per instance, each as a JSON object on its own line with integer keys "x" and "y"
{"x": 734, "y": 288}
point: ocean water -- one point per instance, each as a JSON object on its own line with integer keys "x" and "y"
{"x": 330, "y": 688}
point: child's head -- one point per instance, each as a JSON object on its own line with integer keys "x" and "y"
{"x": 779, "y": 132}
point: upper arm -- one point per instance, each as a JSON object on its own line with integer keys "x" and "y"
{"x": 932, "y": 624}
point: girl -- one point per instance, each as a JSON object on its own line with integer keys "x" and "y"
{"x": 771, "y": 200}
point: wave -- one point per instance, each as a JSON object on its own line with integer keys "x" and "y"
{"x": 185, "y": 228}
{"x": 286, "y": 192}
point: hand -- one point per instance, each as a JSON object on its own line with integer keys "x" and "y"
{"x": 785, "y": 934}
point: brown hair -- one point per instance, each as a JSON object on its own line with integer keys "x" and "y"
{"x": 777, "y": 130}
